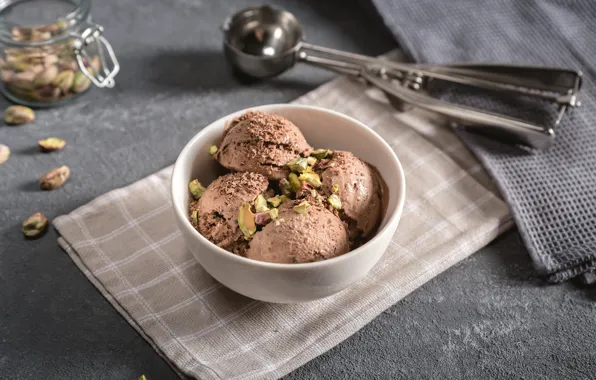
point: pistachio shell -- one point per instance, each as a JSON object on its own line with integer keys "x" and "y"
{"x": 246, "y": 220}
{"x": 196, "y": 189}
{"x": 17, "y": 115}
{"x": 54, "y": 178}
{"x": 80, "y": 82}
{"x": 64, "y": 80}
{"x": 34, "y": 225}
{"x": 51, "y": 144}
{"x": 4, "y": 153}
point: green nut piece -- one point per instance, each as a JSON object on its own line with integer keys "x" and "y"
{"x": 46, "y": 77}
{"x": 320, "y": 153}
{"x": 196, "y": 189}
{"x": 80, "y": 82}
{"x": 261, "y": 204}
{"x": 334, "y": 201}
{"x": 273, "y": 213}
{"x": 311, "y": 160}
{"x": 17, "y": 115}
{"x": 34, "y": 225}
{"x": 313, "y": 192}
{"x": 51, "y": 144}
{"x": 54, "y": 178}
{"x": 284, "y": 199}
{"x": 298, "y": 164}
{"x": 335, "y": 188}
{"x": 295, "y": 183}
{"x": 246, "y": 221}
{"x": 4, "y": 153}
{"x": 312, "y": 179}
{"x": 194, "y": 218}
{"x": 274, "y": 201}
{"x": 213, "y": 149}
{"x": 301, "y": 208}
{"x": 64, "y": 80}
{"x": 286, "y": 188}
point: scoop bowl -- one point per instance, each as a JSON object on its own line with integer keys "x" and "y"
{"x": 291, "y": 283}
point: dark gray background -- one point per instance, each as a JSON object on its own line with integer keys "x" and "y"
{"x": 488, "y": 317}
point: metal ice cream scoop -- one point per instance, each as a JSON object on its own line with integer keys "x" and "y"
{"x": 265, "y": 41}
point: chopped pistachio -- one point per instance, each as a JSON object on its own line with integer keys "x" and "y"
{"x": 313, "y": 192}
{"x": 301, "y": 208}
{"x": 261, "y": 204}
{"x": 246, "y": 220}
{"x": 312, "y": 179}
{"x": 284, "y": 199}
{"x": 213, "y": 149}
{"x": 194, "y": 217}
{"x": 295, "y": 182}
{"x": 311, "y": 160}
{"x": 298, "y": 164}
{"x": 274, "y": 201}
{"x": 286, "y": 188}
{"x": 334, "y": 201}
{"x": 196, "y": 189}
{"x": 51, "y": 144}
{"x": 335, "y": 188}
{"x": 273, "y": 213}
{"x": 320, "y": 153}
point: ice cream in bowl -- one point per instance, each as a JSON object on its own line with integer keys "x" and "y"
{"x": 287, "y": 203}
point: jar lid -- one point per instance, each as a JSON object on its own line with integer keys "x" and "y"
{"x": 40, "y": 22}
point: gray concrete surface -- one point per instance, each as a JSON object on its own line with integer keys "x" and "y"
{"x": 486, "y": 318}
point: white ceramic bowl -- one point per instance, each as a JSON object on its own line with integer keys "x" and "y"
{"x": 291, "y": 283}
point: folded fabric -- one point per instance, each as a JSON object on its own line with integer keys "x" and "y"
{"x": 553, "y": 193}
{"x": 127, "y": 243}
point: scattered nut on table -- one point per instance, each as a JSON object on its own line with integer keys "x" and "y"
{"x": 54, "y": 178}
{"x": 51, "y": 144}
{"x": 17, "y": 115}
{"x": 4, "y": 153}
{"x": 34, "y": 225}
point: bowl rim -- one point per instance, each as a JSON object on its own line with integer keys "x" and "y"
{"x": 184, "y": 156}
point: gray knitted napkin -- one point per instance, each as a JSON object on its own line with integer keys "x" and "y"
{"x": 552, "y": 193}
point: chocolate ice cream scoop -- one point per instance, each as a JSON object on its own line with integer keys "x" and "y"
{"x": 218, "y": 207}
{"x": 261, "y": 143}
{"x": 359, "y": 189}
{"x": 302, "y": 233}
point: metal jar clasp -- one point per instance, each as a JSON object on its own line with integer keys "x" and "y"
{"x": 104, "y": 77}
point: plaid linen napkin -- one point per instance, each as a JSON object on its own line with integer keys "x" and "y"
{"x": 127, "y": 244}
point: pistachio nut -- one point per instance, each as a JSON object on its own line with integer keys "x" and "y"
{"x": 246, "y": 221}
{"x": 34, "y": 225}
{"x": 96, "y": 64}
{"x": 285, "y": 187}
{"x": 196, "y": 189}
{"x": 273, "y": 213}
{"x": 142, "y": 377}
{"x": 80, "y": 82}
{"x": 17, "y": 115}
{"x": 298, "y": 164}
{"x": 45, "y": 94}
{"x": 261, "y": 204}
{"x": 37, "y": 68}
{"x": 313, "y": 193}
{"x": 51, "y": 144}
{"x": 213, "y": 149}
{"x": 334, "y": 201}
{"x": 301, "y": 208}
{"x": 311, "y": 160}
{"x": 18, "y": 91}
{"x": 262, "y": 218}
{"x": 50, "y": 59}
{"x": 335, "y": 188}
{"x": 274, "y": 201}
{"x": 46, "y": 77}
{"x": 320, "y": 153}
{"x": 194, "y": 217}
{"x": 4, "y": 153}
{"x": 312, "y": 179}
{"x": 295, "y": 183}
{"x": 54, "y": 178}
{"x": 284, "y": 199}
{"x": 21, "y": 65}
{"x": 64, "y": 80}
{"x": 24, "y": 80}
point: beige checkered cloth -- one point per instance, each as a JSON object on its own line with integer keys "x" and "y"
{"x": 128, "y": 245}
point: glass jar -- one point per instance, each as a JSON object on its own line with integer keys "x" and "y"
{"x": 52, "y": 52}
